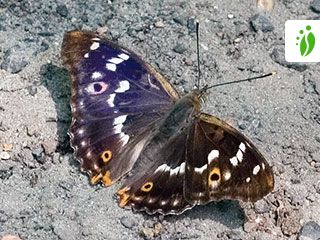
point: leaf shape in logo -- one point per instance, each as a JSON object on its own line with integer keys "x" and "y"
{"x": 307, "y": 44}
{"x": 303, "y": 46}
{"x": 311, "y": 42}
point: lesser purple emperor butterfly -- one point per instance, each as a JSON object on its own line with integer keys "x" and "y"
{"x": 126, "y": 118}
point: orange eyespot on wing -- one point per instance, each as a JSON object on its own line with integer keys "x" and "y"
{"x": 214, "y": 177}
{"x": 147, "y": 187}
{"x": 106, "y": 156}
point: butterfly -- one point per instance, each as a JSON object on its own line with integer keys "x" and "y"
{"x": 128, "y": 120}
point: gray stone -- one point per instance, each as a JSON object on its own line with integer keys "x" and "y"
{"x": 32, "y": 90}
{"x": 49, "y": 146}
{"x": 39, "y": 156}
{"x": 242, "y": 124}
{"x": 262, "y": 206}
{"x": 310, "y": 231}
{"x": 6, "y": 173}
{"x": 4, "y": 155}
{"x": 180, "y": 20}
{"x": 262, "y": 23}
{"x": 277, "y": 55}
{"x": 62, "y": 10}
{"x": 3, "y": 216}
{"x": 14, "y": 60}
{"x": 315, "y": 6}
{"x": 191, "y": 24}
{"x": 179, "y": 48}
{"x": 128, "y": 222}
{"x": 37, "y": 153}
{"x": 159, "y": 24}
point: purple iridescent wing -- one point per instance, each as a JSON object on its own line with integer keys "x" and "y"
{"x": 117, "y": 100}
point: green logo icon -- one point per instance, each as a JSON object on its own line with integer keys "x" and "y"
{"x": 306, "y": 41}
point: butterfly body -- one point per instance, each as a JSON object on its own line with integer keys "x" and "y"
{"x": 128, "y": 119}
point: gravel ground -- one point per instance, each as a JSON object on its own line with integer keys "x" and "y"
{"x": 43, "y": 194}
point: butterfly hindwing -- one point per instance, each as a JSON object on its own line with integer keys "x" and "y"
{"x": 116, "y": 101}
{"x": 223, "y": 164}
{"x": 157, "y": 180}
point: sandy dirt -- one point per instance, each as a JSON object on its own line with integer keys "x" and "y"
{"x": 43, "y": 195}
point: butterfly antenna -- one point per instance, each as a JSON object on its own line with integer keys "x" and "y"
{"x": 238, "y": 81}
{"x": 198, "y": 55}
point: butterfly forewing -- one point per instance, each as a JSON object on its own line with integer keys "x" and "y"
{"x": 223, "y": 164}
{"x": 116, "y": 101}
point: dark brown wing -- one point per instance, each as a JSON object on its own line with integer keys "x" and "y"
{"x": 221, "y": 163}
{"x": 157, "y": 180}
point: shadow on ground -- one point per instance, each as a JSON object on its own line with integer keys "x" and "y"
{"x": 227, "y": 212}
{"x": 57, "y": 81}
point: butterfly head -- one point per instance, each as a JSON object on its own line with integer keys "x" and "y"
{"x": 200, "y": 95}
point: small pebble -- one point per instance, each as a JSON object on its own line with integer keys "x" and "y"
{"x": 266, "y": 5}
{"x": 242, "y": 125}
{"x": 14, "y": 60}
{"x": 180, "y": 20}
{"x": 159, "y": 24}
{"x": 188, "y": 61}
{"x": 6, "y": 173}
{"x": 38, "y": 155}
{"x": 149, "y": 223}
{"x": 310, "y": 231}
{"x": 62, "y": 10}
{"x": 315, "y": 6}
{"x": 4, "y": 155}
{"x": 152, "y": 232}
{"x": 7, "y": 147}
{"x": 256, "y": 123}
{"x": 237, "y": 40}
{"x": 191, "y": 25}
{"x": 32, "y": 90}
{"x": 102, "y": 30}
{"x": 262, "y": 23}
{"x": 230, "y": 16}
{"x": 262, "y": 206}
{"x": 49, "y": 146}
{"x": 128, "y": 222}
{"x": 180, "y": 48}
